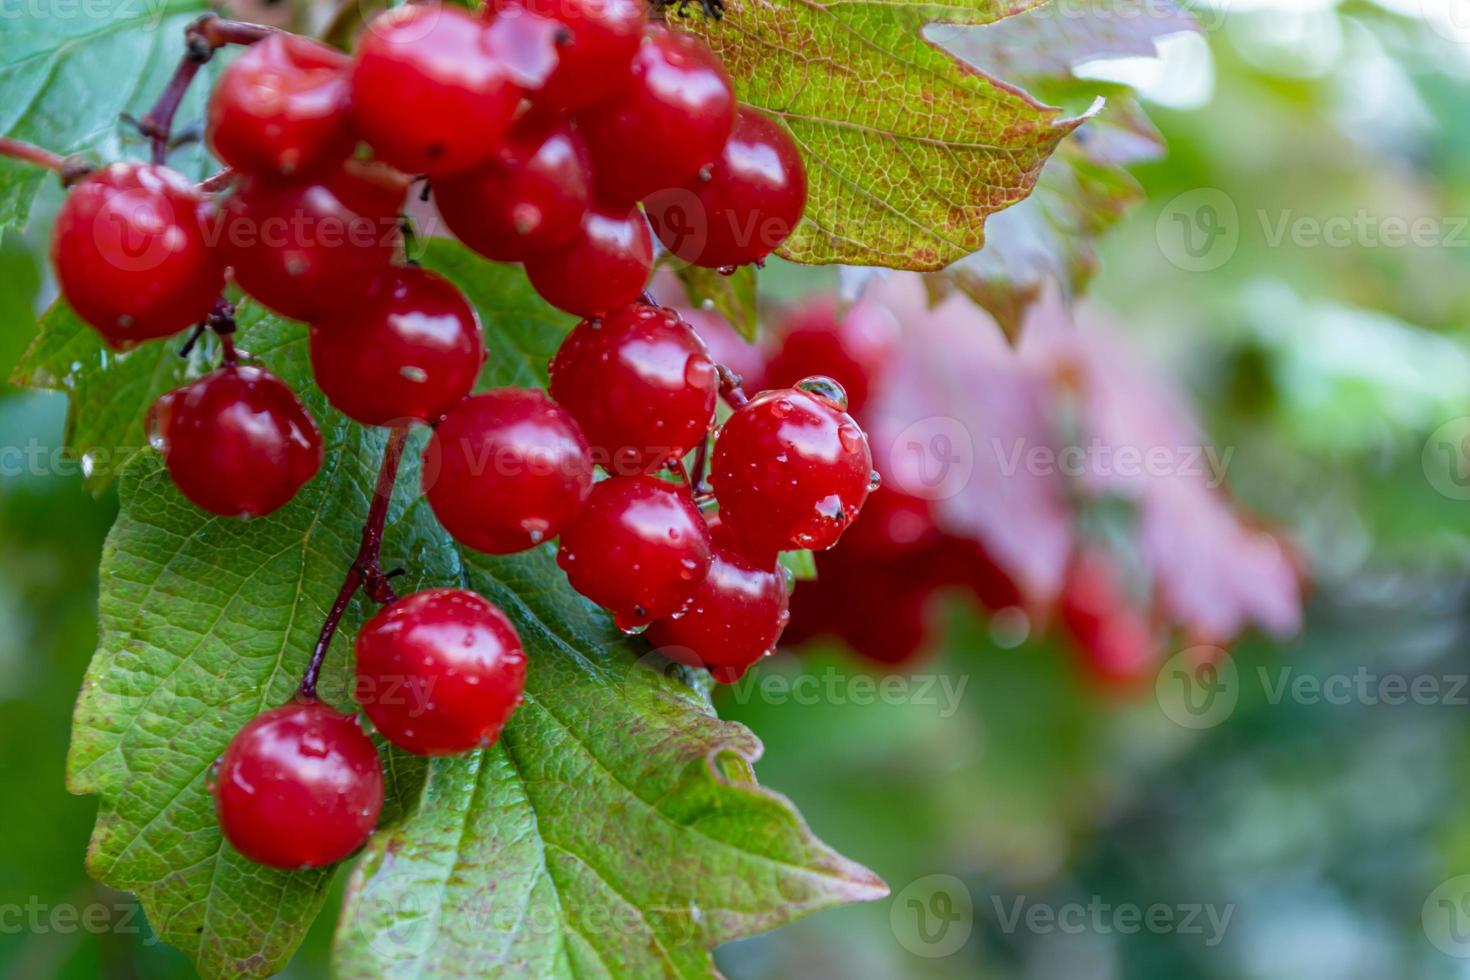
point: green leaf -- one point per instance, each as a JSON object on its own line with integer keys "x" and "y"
{"x": 69, "y": 70}
{"x": 615, "y": 792}
{"x": 110, "y": 392}
{"x": 907, "y": 150}
{"x": 732, "y": 296}
{"x": 801, "y": 564}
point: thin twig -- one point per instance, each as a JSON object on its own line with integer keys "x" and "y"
{"x": 202, "y": 38}
{"x": 366, "y": 571}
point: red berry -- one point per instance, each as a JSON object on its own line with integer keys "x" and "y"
{"x": 300, "y": 248}
{"x": 506, "y": 470}
{"x": 892, "y": 523}
{"x": 606, "y": 266}
{"x": 735, "y": 617}
{"x": 854, "y": 348}
{"x": 281, "y": 107}
{"x": 1112, "y": 636}
{"x": 299, "y": 787}
{"x": 671, "y": 120}
{"x": 743, "y": 206}
{"x": 410, "y": 348}
{"x": 791, "y": 469}
{"x": 641, "y": 385}
{"x": 593, "y": 55}
{"x": 639, "y": 549}
{"x": 440, "y": 672}
{"x": 236, "y": 442}
{"x": 131, "y": 255}
{"x": 530, "y": 201}
{"x": 427, "y": 93}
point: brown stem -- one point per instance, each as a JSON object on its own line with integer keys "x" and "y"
{"x": 701, "y": 467}
{"x": 366, "y": 571}
{"x": 71, "y": 169}
{"x": 202, "y": 38}
{"x": 730, "y": 387}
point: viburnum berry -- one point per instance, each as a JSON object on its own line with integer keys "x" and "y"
{"x": 530, "y": 201}
{"x": 639, "y": 549}
{"x": 734, "y": 618}
{"x": 506, "y": 470}
{"x": 281, "y": 108}
{"x": 604, "y": 267}
{"x": 740, "y": 208}
{"x": 1112, "y": 636}
{"x": 671, "y": 119}
{"x": 237, "y": 442}
{"x": 852, "y": 347}
{"x": 599, "y": 41}
{"x": 299, "y": 787}
{"x": 408, "y": 348}
{"x": 440, "y": 672}
{"x": 427, "y": 93}
{"x": 640, "y": 383}
{"x": 299, "y": 248}
{"x": 131, "y": 256}
{"x": 791, "y": 469}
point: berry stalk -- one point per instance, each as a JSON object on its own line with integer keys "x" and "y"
{"x": 366, "y": 571}
{"x": 202, "y": 39}
{"x": 70, "y": 169}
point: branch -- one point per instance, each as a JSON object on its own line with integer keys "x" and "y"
{"x": 202, "y": 39}
{"x": 366, "y": 571}
{"x": 71, "y": 169}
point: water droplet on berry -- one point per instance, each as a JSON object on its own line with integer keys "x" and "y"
{"x": 629, "y": 628}
{"x": 875, "y": 480}
{"x": 830, "y": 508}
{"x": 727, "y": 270}
{"x": 826, "y": 389}
{"x": 781, "y": 408}
{"x": 851, "y": 438}
{"x": 314, "y": 745}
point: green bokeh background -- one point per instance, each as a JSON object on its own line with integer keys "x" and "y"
{"x": 1323, "y": 828}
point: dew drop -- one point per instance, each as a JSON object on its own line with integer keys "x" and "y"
{"x": 414, "y": 373}
{"x": 825, "y": 388}
{"x": 211, "y": 775}
{"x": 781, "y": 408}
{"x": 727, "y": 270}
{"x": 851, "y": 438}
{"x": 875, "y": 480}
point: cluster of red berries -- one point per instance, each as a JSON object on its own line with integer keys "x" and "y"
{"x": 541, "y": 131}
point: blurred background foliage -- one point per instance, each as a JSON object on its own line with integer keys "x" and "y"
{"x": 1323, "y": 827}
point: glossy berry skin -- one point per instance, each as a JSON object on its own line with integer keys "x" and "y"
{"x": 300, "y": 248}
{"x": 131, "y": 256}
{"x": 299, "y": 787}
{"x": 640, "y": 383}
{"x": 427, "y": 93}
{"x": 790, "y": 470}
{"x": 639, "y": 549}
{"x": 440, "y": 672}
{"x": 410, "y": 348}
{"x": 530, "y": 201}
{"x": 605, "y": 266}
{"x": 735, "y": 617}
{"x": 281, "y": 108}
{"x": 600, "y": 39}
{"x": 671, "y": 119}
{"x": 743, "y": 206}
{"x": 506, "y": 470}
{"x": 237, "y": 442}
